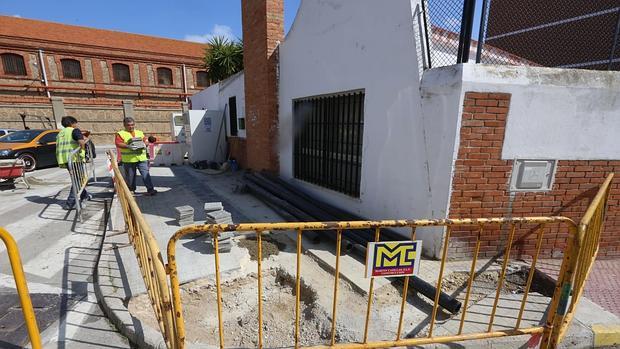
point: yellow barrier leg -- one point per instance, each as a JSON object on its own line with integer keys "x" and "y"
{"x": 22, "y": 288}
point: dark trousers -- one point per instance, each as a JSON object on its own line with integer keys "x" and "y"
{"x": 130, "y": 175}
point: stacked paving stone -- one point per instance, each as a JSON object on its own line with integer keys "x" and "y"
{"x": 185, "y": 215}
{"x": 217, "y": 215}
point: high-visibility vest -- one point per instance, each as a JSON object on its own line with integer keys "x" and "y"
{"x": 129, "y": 155}
{"x": 65, "y": 144}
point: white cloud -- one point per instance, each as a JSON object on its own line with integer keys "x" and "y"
{"x": 17, "y": 16}
{"x": 218, "y": 30}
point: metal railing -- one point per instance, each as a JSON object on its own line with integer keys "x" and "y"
{"x": 579, "y": 255}
{"x": 22, "y": 288}
{"x": 580, "y": 261}
{"x": 80, "y": 171}
{"x": 149, "y": 258}
{"x": 339, "y": 227}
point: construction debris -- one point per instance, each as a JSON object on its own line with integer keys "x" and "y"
{"x": 217, "y": 215}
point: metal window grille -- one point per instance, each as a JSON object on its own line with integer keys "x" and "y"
{"x": 71, "y": 69}
{"x": 120, "y": 72}
{"x": 13, "y": 64}
{"x": 164, "y": 76}
{"x": 328, "y": 141}
{"x": 202, "y": 79}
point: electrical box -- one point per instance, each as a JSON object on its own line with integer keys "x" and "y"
{"x": 532, "y": 175}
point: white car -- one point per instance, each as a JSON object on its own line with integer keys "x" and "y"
{"x": 6, "y": 131}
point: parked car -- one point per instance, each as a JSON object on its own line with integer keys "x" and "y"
{"x": 6, "y": 131}
{"x": 37, "y": 148}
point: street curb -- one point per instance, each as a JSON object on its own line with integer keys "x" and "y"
{"x": 112, "y": 297}
{"x": 606, "y": 335}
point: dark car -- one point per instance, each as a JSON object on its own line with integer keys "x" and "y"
{"x": 37, "y": 148}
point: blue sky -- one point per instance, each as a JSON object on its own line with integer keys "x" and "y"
{"x": 195, "y": 20}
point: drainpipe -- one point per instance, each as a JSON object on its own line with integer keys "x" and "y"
{"x": 184, "y": 83}
{"x": 43, "y": 74}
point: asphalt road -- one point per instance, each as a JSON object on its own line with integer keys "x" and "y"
{"x": 59, "y": 254}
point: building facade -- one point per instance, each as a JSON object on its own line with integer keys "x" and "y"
{"x": 48, "y": 70}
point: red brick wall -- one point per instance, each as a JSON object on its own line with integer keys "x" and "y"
{"x": 481, "y": 180}
{"x": 263, "y": 27}
{"x": 238, "y": 150}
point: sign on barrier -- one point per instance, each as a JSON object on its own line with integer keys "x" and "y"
{"x": 393, "y": 258}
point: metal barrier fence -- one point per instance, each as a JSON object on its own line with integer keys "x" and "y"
{"x": 149, "y": 258}
{"x": 450, "y": 224}
{"x": 580, "y": 261}
{"x": 22, "y": 288}
{"x": 79, "y": 171}
{"x": 579, "y": 255}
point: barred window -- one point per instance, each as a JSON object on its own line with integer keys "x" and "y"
{"x": 328, "y": 141}
{"x": 71, "y": 69}
{"x": 13, "y": 64}
{"x": 120, "y": 72}
{"x": 202, "y": 79}
{"x": 164, "y": 76}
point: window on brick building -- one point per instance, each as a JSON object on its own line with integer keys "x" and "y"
{"x": 120, "y": 72}
{"x": 13, "y": 64}
{"x": 328, "y": 145}
{"x": 164, "y": 76}
{"x": 71, "y": 69}
{"x": 202, "y": 79}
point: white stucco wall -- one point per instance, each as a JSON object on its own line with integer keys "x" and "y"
{"x": 562, "y": 114}
{"x": 345, "y": 45}
{"x": 215, "y": 97}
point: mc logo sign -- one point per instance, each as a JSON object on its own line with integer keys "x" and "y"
{"x": 393, "y": 258}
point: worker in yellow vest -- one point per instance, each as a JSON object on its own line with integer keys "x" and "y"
{"x": 68, "y": 140}
{"x": 132, "y": 144}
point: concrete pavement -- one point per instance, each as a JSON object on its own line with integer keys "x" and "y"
{"x": 59, "y": 255}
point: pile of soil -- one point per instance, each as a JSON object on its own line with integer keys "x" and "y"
{"x": 270, "y": 247}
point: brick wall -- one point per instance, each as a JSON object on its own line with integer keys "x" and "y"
{"x": 263, "y": 27}
{"x": 238, "y": 150}
{"x": 481, "y": 179}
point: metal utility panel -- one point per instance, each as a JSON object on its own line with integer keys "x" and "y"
{"x": 532, "y": 175}
{"x": 207, "y": 135}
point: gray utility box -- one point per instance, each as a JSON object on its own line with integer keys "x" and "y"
{"x": 532, "y": 175}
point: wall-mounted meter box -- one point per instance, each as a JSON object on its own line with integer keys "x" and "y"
{"x": 532, "y": 175}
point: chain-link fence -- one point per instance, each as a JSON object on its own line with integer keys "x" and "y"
{"x": 563, "y": 33}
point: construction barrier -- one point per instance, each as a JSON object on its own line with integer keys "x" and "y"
{"x": 579, "y": 255}
{"x": 80, "y": 171}
{"x": 22, "y": 288}
{"x": 578, "y": 262}
{"x": 149, "y": 258}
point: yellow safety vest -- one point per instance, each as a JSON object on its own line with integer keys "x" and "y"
{"x": 65, "y": 144}
{"x": 129, "y": 155}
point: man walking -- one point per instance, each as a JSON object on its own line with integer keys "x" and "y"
{"x": 132, "y": 145}
{"x": 68, "y": 140}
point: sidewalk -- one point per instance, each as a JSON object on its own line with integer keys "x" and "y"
{"x": 120, "y": 279}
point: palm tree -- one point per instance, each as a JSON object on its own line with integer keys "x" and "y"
{"x": 223, "y": 58}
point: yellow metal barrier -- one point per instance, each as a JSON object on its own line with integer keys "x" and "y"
{"x": 578, "y": 263}
{"x": 22, "y": 288}
{"x": 299, "y": 228}
{"x": 149, "y": 258}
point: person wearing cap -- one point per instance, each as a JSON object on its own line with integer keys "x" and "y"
{"x": 132, "y": 145}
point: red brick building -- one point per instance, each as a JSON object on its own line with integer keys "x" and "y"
{"x": 50, "y": 69}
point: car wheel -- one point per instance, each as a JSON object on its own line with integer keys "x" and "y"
{"x": 29, "y": 161}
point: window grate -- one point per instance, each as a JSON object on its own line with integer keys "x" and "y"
{"x": 71, "y": 69}
{"x": 13, "y": 64}
{"x": 120, "y": 72}
{"x": 164, "y": 76}
{"x": 328, "y": 141}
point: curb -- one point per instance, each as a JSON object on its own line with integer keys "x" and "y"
{"x": 112, "y": 295}
{"x": 606, "y": 335}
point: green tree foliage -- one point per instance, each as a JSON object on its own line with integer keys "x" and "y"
{"x": 223, "y": 58}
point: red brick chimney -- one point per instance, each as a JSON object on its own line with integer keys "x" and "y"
{"x": 263, "y": 28}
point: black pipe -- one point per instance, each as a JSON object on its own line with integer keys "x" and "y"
{"x": 467, "y": 21}
{"x": 483, "y": 21}
{"x": 445, "y": 301}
